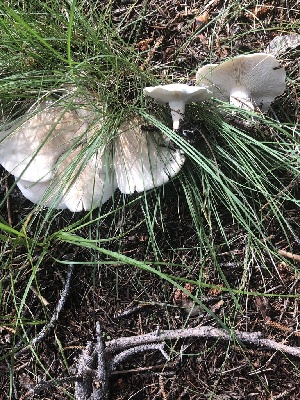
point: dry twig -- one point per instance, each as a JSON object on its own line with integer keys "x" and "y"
{"x": 125, "y": 347}
{"x": 54, "y": 318}
{"x": 205, "y": 332}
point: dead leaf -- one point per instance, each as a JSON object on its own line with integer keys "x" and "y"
{"x": 26, "y": 381}
{"x": 280, "y": 44}
{"x": 202, "y": 39}
{"x": 217, "y": 306}
{"x": 215, "y": 291}
{"x": 202, "y": 19}
{"x": 143, "y": 45}
{"x": 262, "y": 306}
{"x": 260, "y": 11}
{"x": 180, "y": 296}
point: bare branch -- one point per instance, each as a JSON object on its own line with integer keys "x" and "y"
{"x": 203, "y": 331}
{"x": 54, "y": 318}
{"x": 85, "y": 365}
{"x": 138, "y": 349}
{"x": 101, "y": 382}
{"x": 97, "y": 363}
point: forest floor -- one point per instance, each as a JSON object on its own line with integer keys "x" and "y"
{"x": 129, "y": 301}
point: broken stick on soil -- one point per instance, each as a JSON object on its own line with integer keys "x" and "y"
{"x": 54, "y": 318}
{"x": 109, "y": 355}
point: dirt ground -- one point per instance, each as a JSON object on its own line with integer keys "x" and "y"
{"x": 180, "y": 36}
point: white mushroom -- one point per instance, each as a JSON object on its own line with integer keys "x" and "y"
{"x": 31, "y": 147}
{"x": 247, "y": 81}
{"x": 76, "y": 184}
{"x": 91, "y": 183}
{"x": 143, "y": 160}
{"x": 48, "y": 154}
{"x": 49, "y": 166}
{"x": 177, "y": 95}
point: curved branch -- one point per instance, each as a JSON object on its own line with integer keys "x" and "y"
{"x": 203, "y": 331}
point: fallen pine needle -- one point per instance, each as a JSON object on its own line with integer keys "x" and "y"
{"x": 287, "y": 254}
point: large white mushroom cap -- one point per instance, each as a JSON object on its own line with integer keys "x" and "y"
{"x": 247, "y": 81}
{"x": 36, "y": 192}
{"x": 76, "y": 184}
{"x": 143, "y": 160}
{"x": 31, "y": 147}
{"x": 177, "y": 95}
{"x": 50, "y": 154}
{"x": 47, "y": 153}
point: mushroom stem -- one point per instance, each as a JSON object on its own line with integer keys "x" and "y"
{"x": 241, "y": 98}
{"x": 177, "y": 112}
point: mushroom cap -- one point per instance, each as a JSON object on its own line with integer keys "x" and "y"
{"x": 31, "y": 147}
{"x": 255, "y": 76}
{"x": 177, "y": 92}
{"x": 143, "y": 160}
{"x": 76, "y": 184}
{"x": 92, "y": 183}
{"x": 38, "y": 192}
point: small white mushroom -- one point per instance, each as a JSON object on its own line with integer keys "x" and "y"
{"x": 177, "y": 95}
{"x": 247, "y": 81}
{"x": 31, "y": 146}
{"x": 76, "y": 184}
{"x": 143, "y": 160}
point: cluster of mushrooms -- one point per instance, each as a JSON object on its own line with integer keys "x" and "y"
{"x": 48, "y": 150}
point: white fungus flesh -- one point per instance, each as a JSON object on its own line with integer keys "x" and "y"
{"x": 177, "y": 95}
{"x": 38, "y": 192}
{"x": 31, "y": 147}
{"x": 246, "y": 81}
{"x": 143, "y": 160}
{"x": 76, "y": 184}
{"x": 92, "y": 183}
